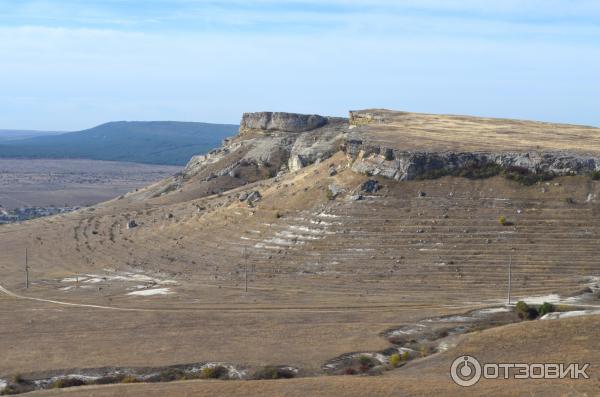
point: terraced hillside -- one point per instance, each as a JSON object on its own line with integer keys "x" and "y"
{"x": 286, "y": 254}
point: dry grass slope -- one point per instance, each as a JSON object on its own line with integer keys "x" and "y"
{"x": 415, "y": 131}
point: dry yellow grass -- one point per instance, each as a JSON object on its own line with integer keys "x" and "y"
{"x": 416, "y": 131}
{"x": 524, "y": 342}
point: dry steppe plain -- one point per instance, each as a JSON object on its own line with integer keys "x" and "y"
{"x": 70, "y": 183}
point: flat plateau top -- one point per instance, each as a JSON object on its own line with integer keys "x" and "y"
{"x": 429, "y": 132}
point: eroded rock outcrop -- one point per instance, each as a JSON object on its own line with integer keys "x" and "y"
{"x": 281, "y": 121}
{"x": 269, "y": 143}
{"x": 408, "y": 165}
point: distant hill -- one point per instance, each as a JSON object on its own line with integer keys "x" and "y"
{"x": 11, "y": 135}
{"x": 151, "y": 142}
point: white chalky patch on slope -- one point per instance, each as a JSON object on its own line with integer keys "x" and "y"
{"x": 280, "y": 241}
{"x": 292, "y": 236}
{"x": 575, "y": 313}
{"x": 491, "y": 310}
{"x": 538, "y": 300}
{"x": 322, "y": 223}
{"x": 309, "y": 230}
{"x": 129, "y": 277}
{"x": 94, "y": 280}
{"x": 324, "y": 215}
{"x": 150, "y": 292}
{"x": 270, "y": 247}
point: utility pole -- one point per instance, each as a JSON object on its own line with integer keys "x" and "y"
{"x": 509, "y": 276}
{"x": 26, "y": 269}
{"x": 245, "y": 270}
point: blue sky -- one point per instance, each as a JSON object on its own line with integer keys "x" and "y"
{"x": 72, "y": 64}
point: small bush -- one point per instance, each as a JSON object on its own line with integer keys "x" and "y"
{"x": 218, "y": 372}
{"x": 479, "y": 171}
{"x": 570, "y": 200}
{"x": 502, "y": 220}
{"x": 425, "y": 350}
{"x": 525, "y": 177}
{"x": 366, "y": 361}
{"x": 546, "y": 308}
{"x": 395, "y": 360}
{"x": 532, "y": 313}
{"x": 273, "y": 373}
{"x": 595, "y": 175}
{"x": 469, "y": 171}
{"x": 522, "y": 309}
{"x": 67, "y": 382}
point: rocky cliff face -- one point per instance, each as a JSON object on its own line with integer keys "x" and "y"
{"x": 282, "y": 122}
{"x": 269, "y": 144}
{"x": 408, "y": 165}
{"x": 396, "y": 145}
{"x": 406, "y": 146}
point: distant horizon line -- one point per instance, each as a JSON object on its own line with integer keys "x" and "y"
{"x": 61, "y": 131}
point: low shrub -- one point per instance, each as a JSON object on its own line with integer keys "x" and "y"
{"x": 425, "y": 350}
{"x": 595, "y": 175}
{"x": 395, "y": 360}
{"x": 479, "y": 171}
{"x": 525, "y": 312}
{"x": 570, "y": 200}
{"x": 502, "y": 220}
{"x": 526, "y": 177}
{"x": 532, "y": 313}
{"x": 522, "y": 308}
{"x": 67, "y": 382}
{"x": 366, "y": 361}
{"x": 469, "y": 171}
{"x": 546, "y": 308}
{"x": 217, "y": 372}
{"x": 270, "y": 372}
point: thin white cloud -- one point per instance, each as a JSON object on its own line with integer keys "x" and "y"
{"x": 220, "y": 60}
{"x": 257, "y": 14}
{"x": 73, "y": 78}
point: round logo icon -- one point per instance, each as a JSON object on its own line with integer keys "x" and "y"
{"x": 465, "y": 371}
